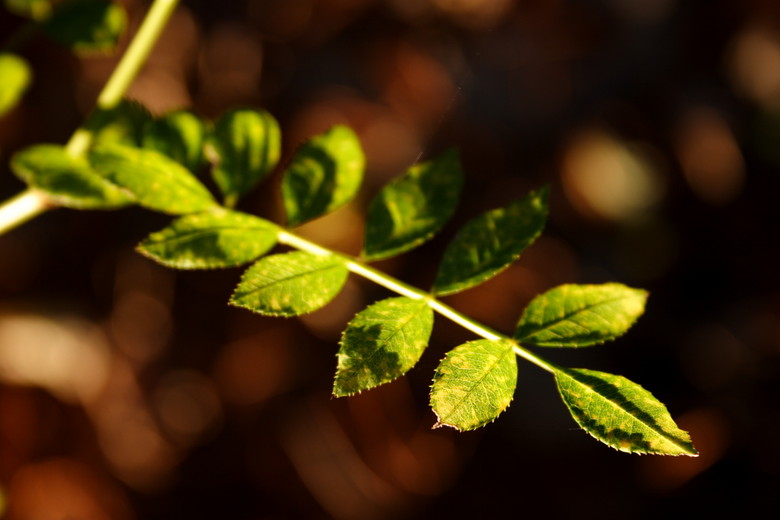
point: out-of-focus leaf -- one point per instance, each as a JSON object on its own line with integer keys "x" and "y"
{"x": 158, "y": 183}
{"x": 123, "y": 124}
{"x": 620, "y": 413}
{"x": 488, "y": 244}
{"x": 210, "y": 240}
{"x": 15, "y": 77}
{"x": 87, "y": 26}
{"x": 325, "y": 174}
{"x": 474, "y": 383}
{"x": 179, "y": 135}
{"x": 247, "y": 146}
{"x": 382, "y": 343}
{"x": 290, "y": 284}
{"x": 35, "y": 9}
{"x": 580, "y": 315}
{"x": 412, "y": 208}
{"x": 68, "y": 181}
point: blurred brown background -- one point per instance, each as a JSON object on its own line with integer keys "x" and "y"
{"x": 130, "y": 391}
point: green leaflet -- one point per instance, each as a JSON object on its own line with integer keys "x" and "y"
{"x": 486, "y": 245}
{"x": 35, "y": 9}
{"x": 179, "y": 135}
{"x": 290, "y": 284}
{"x": 247, "y": 146}
{"x": 474, "y": 383}
{"x": 158, "y": 183}
{"x": 621, "y": 413}
{"x": 382, "y": 343}
{"x": 123, "y": 124}
{"x": 412, "y": 208}
{"x": 325, "y": 174}
{"x": 210, "y": 240}
{"x": 87, "y": 26}
{"x": 69, "y": 181}
{"x": 580, "y": 315}
{"x": 15, "y": 77}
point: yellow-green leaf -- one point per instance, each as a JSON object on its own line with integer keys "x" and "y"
{"x": 158, "y": 183}
{"x": 210, "y": 240}
{"x": 87, "y": 26}
{"x": 620, "y": 413}
{"x": 68, "y": 181}
{"x": 290, "y": 284}
{"x": 35, "y": 9}
{"x": 179, "y": 135}
{"x": 15, "y": 77}
{"x": 325, "y": 174}
{"x": 580, "y": 315}
{"x": 413, "y": 207}
{"x": 474, "y": 383}
{"x": 382, "y": 343}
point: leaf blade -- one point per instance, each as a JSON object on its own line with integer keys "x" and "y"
{"x": 68, "y": 181}
{"x": 381, "y": 343}
{"x": 158, "y": 183}
{"x": 580, "y": 315}
{"x": 474, "y": 383}
{"x": 620, "y": 413}
{"x": 246, "y": 147}
{"x": 15, "y": 76}
{"x": 324, "y": 175}
{"x": 489, "y": 243}
{"x": 87, "y": 26}
{"x": 210, "y": 240}
{"x": 290, "y": 284}
{"x": 413, "y": 207}
{"x": 179, "y": 135}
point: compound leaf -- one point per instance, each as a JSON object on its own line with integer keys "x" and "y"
{"x": 486, "y": 245}
{"x": 382, "y": 343}
{"x": 620, "y": 413}
{"x": 412, "y": 208}
{"x": 158, "y": 183}
{"x": 68, "y": 181}
{"x": 210, "y": 240}
{"x": 87, "y": 26}
{"x": 15, "y": 77}
{"x": 246, "y": 145}
{"x": 34, "y": 9}
{"x": 474, "y": 383}
{"x": 325, "y": 174}
{"x": 580, "y": 315}
{"x": 290, "y": 284}
{"x": 179, "y": 135}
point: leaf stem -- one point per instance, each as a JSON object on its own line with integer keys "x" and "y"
{"x": 286, "y": 237}
{"x": 31, "y": 202}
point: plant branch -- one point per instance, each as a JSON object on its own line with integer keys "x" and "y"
{"x": 31, "y": 202}
{"x": 286, "y": 237}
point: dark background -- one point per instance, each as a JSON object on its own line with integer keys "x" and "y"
{"x": 132, "y": 391}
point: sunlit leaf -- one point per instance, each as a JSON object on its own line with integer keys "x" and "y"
{"x": 474, "y": 383}
{"x": 68, "y": 181}
{"x": 412, "y": 208}
{"x": 247, "y": 146}
{"x": 158, "y": 183}
{"x": 382, "y": 343}
{"x": 290, "y": 284}
{"x": 87, "y": 26}
{"x": 123, "y": 124}
{"x": 488, "y": 244}
{"x": 15, "y": 77}
{"x": 325, "y": 174}
{"x": 580, "y": 315}
{"x": 621, "y": 413}
{"x": 210, "y": 240}
{"x": 179, "y": 135}
{"x": 35, "y": 9}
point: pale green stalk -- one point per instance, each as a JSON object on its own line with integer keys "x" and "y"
{"x": 31, "y": 203}
{"x": 286, "y": 237}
